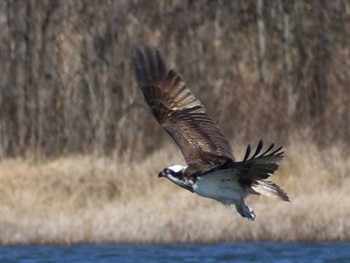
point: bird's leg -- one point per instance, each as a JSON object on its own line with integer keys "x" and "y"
{"x": 245, "y": 211}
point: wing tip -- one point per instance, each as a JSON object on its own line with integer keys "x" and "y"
{"x": 269, "y": 152}
{"x": 148, "y": 64}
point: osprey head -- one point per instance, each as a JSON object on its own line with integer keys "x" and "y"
{"x": 175, "y": 171}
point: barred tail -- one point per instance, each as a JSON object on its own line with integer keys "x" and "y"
{"x": 269, "y": 189}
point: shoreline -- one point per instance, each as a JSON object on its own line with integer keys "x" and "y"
{"x": 88, "y": 199}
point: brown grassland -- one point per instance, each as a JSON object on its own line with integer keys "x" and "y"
{"x": 99, "y": 199}
{"x": 80, "y": 150}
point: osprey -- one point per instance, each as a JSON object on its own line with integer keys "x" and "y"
{"x": 211, "y": 169}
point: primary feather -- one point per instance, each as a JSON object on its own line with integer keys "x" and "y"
{"x": 211, "y": 170}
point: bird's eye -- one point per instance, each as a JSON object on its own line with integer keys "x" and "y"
{"x": 167, "y": 170}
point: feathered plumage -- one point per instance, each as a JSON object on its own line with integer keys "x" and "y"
{"x": 211, "y": 169}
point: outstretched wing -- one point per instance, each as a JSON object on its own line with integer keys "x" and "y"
{"x": 261, "y": 164}
{"x": 256, "y": 169}
{"x": 180, "y": 113}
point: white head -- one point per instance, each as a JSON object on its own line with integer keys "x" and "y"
{"x": 175, "y": 173}
{"x": 176, "y": 170}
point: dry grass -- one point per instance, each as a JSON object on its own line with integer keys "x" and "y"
{"x": 94, "y": 199}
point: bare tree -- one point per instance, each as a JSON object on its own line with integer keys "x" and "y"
{"x": 67, "y": 84}
{"x": 261, "y": 43}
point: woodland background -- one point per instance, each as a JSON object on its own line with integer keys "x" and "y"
{"x": 80, "y": 150}
{"x": 263, "y": 69}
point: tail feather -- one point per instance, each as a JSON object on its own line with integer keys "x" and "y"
{"x": 255, "y": 169}
{"x": 269, "y": 189}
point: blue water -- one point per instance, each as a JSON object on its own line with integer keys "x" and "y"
{"x": 224, "y": 252}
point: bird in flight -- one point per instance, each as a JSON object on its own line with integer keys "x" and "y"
{"x": 211, "y": 169}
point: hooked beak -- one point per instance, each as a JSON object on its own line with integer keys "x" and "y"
{"x": 160, "y": 174}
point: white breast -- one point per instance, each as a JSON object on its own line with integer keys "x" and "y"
{"x": 220, "y": 185}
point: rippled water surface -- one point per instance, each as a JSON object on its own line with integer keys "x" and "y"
{"x": 224, "y": 252}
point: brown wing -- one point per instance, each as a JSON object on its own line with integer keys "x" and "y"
{"x": 180, "y": 113}
{"x": 261, "y": 164}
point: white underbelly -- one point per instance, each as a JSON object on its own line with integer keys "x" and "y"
{"x": 221, "y": 185}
